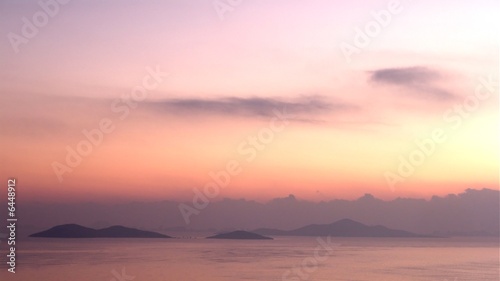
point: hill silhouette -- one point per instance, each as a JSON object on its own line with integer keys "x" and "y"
{"x": 78, "y": 231}
{"x": 240, "y": 234}
{"x": 341, "y": 228}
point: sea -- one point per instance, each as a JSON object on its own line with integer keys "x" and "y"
{"x": 281, "y": 259}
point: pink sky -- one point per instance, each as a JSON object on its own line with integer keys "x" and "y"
{"x": 352, "y": 119}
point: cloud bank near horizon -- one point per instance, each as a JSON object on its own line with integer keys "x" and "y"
{"x": 470, "y": 212}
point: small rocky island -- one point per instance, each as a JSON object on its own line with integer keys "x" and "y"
{"x": 341, "y": 228}
{"x": 78, "y": 231}
{"x": 240, "y": 234}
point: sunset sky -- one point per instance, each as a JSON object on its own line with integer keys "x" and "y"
{"x": 430, "y": 66}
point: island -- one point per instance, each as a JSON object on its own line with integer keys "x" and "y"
{"x": 240, "y": 234}
{"x": 78, "y": 231}
{"x": 341, "y": 228}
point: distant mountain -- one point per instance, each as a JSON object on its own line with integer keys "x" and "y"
{"x": 239, "y": 235}
{"x": 121, "y": 231}
{"x": 341, "y": 228}
{"x": 78, "y": 231}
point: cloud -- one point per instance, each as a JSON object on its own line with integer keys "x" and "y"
{"x": 421, "y": 81}
{"x": 253, "y": 106}
{"x": 43, "y": 116}
{"x": 402, "y": 76}
{"x": 444, "y": 214}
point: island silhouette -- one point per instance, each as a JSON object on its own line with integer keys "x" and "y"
{"x": 78, "y": 231}
{"x": 240, "y": 234}
{"x": 340, "y": 228}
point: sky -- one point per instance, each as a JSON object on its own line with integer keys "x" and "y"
{"x": 105, "y": 101}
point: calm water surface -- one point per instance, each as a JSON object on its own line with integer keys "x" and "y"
{"x": 287, "y": 258}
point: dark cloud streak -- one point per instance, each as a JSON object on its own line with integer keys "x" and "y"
{"x": 420, "y": 80}
{"x": 251, "y": 107}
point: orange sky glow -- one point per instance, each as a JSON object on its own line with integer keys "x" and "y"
{"x": 269, "y": 93}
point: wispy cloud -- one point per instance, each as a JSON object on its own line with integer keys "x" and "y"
{"x": 421, "y": 81}
{"x": 253, "y": 106}
{"x": 44, "y": 116}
